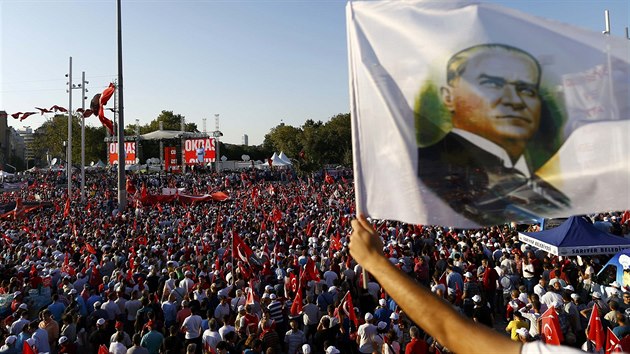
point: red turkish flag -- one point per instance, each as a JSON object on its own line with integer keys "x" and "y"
{"x": 613, "y": 343}
{"x": 276, "y": 215}
{"x": 346, "y": 306}
{"x": 241, "y": 250}
{"x": 90, "y": 249}
{"x": 66, "y": 209}
{"x": 103, "y": 349}
{"x": 596, "y": 329}
{"x": 311, "y": 270}
{"x": 329, "y": 179}
{"x": 27, "y": 349}
{"x": 296, "y": 306}
{"x": 550, "y": 327}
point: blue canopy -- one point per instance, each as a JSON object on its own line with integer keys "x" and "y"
{"x": 575, "y": 237}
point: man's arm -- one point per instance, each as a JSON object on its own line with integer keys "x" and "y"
{"x": 420, "y": 304}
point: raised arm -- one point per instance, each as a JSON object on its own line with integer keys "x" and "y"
{"x": 435, "y": 316}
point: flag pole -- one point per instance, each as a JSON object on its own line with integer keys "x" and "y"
{"x": 122, "y": 192}
{"x": 69, "y": 146}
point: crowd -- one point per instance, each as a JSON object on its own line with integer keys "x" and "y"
{"x": 266, "y": 271}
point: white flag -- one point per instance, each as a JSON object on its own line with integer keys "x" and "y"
{"x": 474, "y": 114}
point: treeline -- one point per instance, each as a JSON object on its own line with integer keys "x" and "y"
{"x": 311, "y": 146}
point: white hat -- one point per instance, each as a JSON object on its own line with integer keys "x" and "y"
{"x": 332, "y": 350}
{"x": 393, "y": 316}
{"x": 97, "y": 304}
{"x": 615, "y": 284}
{"x": 368, "y": 316}
{"x": 381, "y": 325}
{"x": 265, "y": 295}
{"x": 468, "y": 275}
{"x": 241, "y": 308}
{"x": 522, "y": 332}
{"x": 17, "y": 293}
{"x": 575, "y": 296}
{"x": 63, "y": 339}
{"x": 596, "y": 295}
{"x": 569, "y": 288}
{"x": 476, "y": 298}
{"x": 306, "y": 349}
{"x": 23, "y": 306}
{"x": 72, "y": 291}
{"x": 273, "y": 296}
{"x": 382, "y": 302}
{"x": 268, "y": 287}
{"x": 10, "y": 340}
{"x": 100, "y": 321}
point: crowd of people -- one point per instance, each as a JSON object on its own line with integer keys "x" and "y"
{"x": 267, "y": 270}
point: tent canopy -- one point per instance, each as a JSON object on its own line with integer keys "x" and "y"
{"x": 162, "y": 135}
{"x": 575, "y": 237}
{"x": 284, "y": 158}
{"x": 277, "y": 161}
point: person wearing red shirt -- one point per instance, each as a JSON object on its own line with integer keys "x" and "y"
{"x": 489, "y": 283}
{"x": 417, "y": 345}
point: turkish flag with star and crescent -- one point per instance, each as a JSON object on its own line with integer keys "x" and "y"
{"x": 550, "y": 327}
{"x": 596, "y": 329}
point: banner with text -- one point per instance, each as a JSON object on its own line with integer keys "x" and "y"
{"x": 130, "y": 153}
{"x": 170, "y": 157}
{"x": 199, "y": 151}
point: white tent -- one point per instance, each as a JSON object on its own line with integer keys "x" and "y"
{"x": 277, "y": 161}
{"x": 284, "y": 158}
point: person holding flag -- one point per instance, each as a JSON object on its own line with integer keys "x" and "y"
{"x": 423, "y": 307}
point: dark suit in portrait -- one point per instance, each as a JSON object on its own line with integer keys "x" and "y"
{"x": 476, "y": 183}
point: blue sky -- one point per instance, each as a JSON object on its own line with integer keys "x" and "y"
{"x": 254, "y": 62}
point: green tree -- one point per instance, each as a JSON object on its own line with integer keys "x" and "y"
{"x": 49, "y": 138}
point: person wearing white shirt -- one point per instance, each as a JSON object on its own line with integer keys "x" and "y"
{"x": 211, "y": 336}
{"x": 192, "y": 328}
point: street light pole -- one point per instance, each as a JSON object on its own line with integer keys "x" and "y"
{"x": 122, "y": 192}
{"x": 69, "y": 147}
{"x": 83, "y": 97}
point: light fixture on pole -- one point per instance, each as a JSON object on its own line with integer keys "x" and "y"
{"x": 83, "y": 98}
{"x": 217, "y": 134}
{"x": 69, "y": 147}
{"x": 122, "y": 192}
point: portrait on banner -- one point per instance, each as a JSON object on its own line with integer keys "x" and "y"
{"x": 495, "y": 126}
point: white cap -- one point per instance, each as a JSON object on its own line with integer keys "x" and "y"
{"x": 10, "y": 340}
{"x": 306, "y": 349}
{"x": 368, "y": 316}
{"x": 575, "y": 296}
{"x": 100, "y": 322}
{"x": 468, "y": 275}
{"x": 382, "y": 302}
{"x": 23, "y": 306}
{"x": 72, "y": 291}
{"x": 596, "y": 295}
{"x": 569, "y": 287}
{"x": 476, "y": 298}
{"x": 381, "y": 325}
{"x": 241, "y": 308}
{"x": 615, "y": 284}
{"x": 332, "y": 350}
{"x": 97, "y": 304}
{"x": 273, "y": 296}
{"x": 522, "y": 332}
{"x": 63, "y": 339}
{"x": 393, "y": 316}
{"x": 268, "y": 287}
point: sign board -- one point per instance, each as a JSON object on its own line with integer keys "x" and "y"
{"x": 170, "y": 157}
{"x": 130, "y": 153}
{"x": 199, "y": 151}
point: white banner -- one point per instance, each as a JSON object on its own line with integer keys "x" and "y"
{"x": 474, "y": 114}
